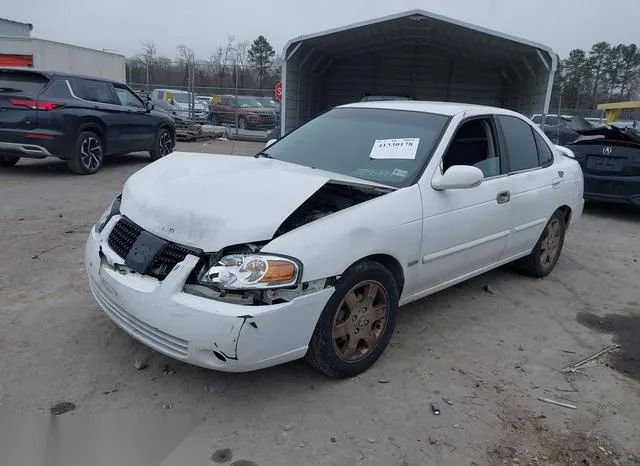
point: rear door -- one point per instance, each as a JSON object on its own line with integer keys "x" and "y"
{"x": 102, "y": 104}
{"x": 140, "y": 132}
{"x": 536, "y": 186}
{"x": 19, "y": 91}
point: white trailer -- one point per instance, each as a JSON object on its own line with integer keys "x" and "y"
{"x": 417, "y": 54}
{"x": 55, "y": 56}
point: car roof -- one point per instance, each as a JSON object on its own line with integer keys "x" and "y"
{"x": 441, "y": 108}
{"x": 51, "y": 74}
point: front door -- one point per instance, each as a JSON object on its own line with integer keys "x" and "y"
{"x": 139, "y": 134}
{"x": 466, "y": 230}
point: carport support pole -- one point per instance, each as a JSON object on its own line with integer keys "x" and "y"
{"x": 235, "y": 110}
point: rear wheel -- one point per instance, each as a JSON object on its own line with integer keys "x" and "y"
{"x": 8, "y": 160}
{"x": 88, "y": 155}
{"x": 357, "y": 322}
{"x": 546, "y": 252}
{"x": 163, "y": 145}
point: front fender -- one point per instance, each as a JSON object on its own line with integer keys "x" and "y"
{"x": 390, "y": 224}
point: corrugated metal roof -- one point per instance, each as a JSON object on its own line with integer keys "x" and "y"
{"x": 420, "y": 27}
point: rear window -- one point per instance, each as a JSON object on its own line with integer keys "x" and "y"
{"x": 21, "y": 82}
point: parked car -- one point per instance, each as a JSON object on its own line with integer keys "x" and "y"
{"x": 557, "y": 128}
{"x": 76, "y": 118}
{"x": 177, "y": 103}
{"x": 244, "y": 111}
{"x": 610, "y": 160}
{"x": 309, "y": 248}
{"x": 206, "y": 103}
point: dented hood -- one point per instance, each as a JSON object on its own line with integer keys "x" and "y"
{"x": 212, "y": 201}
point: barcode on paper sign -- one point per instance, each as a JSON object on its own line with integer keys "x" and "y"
{"x": 405, "y": 148}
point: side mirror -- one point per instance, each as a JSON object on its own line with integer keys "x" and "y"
{"x": 270, "y": 142}
{"x": 149, "y": 105}
{"x": 458, "y": 177}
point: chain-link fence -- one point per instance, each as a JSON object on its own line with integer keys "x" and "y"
{"x": 239, "y": 98}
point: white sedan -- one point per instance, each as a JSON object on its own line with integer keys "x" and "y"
{"x": 309, "y": 248}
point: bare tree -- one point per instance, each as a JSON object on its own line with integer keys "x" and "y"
{"x": 148, "y": 55}
{"x": 186, "y": 56}
{"x": 240, "y": 58}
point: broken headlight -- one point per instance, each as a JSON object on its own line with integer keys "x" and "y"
{"x": 252, "y": 271}
{"x": 113, "y": 209}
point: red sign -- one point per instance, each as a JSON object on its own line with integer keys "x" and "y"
{"x": 279, "y": 91}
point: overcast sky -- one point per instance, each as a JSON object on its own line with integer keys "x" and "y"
{"x": 122, "y": 25}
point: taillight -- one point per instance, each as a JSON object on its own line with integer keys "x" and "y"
{"x": 35, "y": 105}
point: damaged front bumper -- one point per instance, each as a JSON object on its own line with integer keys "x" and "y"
{"x": 197, "y": 330}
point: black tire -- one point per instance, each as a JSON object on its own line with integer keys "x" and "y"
{"x": 542, "y": 261}
{"x": 164, "y": 144}
{"x": 7, "y": 161}
{"x": 88, "y": 155}
{"x": 329, "y": 352}
{"x": 242, "y": 123}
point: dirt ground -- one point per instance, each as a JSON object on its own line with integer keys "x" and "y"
{"x": 491, "y": 346}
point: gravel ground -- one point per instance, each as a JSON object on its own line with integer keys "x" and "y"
{"x": 491, "y": 346}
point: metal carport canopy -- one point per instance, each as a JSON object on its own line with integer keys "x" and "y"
{"x": 526, "y": 68}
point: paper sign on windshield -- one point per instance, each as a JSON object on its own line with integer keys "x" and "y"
{"x": 404, "y": 148}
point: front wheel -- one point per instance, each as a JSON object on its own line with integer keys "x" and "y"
{"x": 7, "y": 161}
{"x": 88, "y": 155}
{"x": 546, "y": 252}
{"x": 242, "y": 123}
{"x": 357, "y": 322}
{"x": 163, "y": 145}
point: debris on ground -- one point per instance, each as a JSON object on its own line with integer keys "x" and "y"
{"x": 589, "y": 361}
{"x": 557, "y": 403}
{"x": 140, "y": 364}
{"x": 383, "y": 380}
{"x": 332, "y": 440}
{"x": 435, "y": 408}
{"x": 167, "y": 405}
{"x": 63, "y": 407}
{"x": 447, "y": 400}
{"x": 488, "y": 289}
{"x": 224, "y": 455}
{"x": 168, "y": 370}
{"x": 521, "y": 347}
{"x": 371, "y": 440}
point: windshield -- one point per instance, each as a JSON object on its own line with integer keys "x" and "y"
{"x": 181, "y": 98}
{"x": 248, "y": 102}
{"x": 268, "y": 103}
{"x": 385, "y": 146}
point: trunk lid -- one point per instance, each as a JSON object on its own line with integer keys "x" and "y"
{"x": 608, "y": 150}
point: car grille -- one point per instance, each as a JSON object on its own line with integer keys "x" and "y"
{"x": 124, "y": 235}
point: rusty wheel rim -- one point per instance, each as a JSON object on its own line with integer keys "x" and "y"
{"x": 360, "y": 321}
{"x": 551, "y": 243}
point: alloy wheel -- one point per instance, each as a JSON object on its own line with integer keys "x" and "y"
{"x": 91, "y": 153}
{"x": 166, "y": 146}
{"x": 551, "y": 243}
{"x": 360, "y": 321}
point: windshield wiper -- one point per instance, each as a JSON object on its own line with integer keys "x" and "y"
{"x": 263, "y": 154}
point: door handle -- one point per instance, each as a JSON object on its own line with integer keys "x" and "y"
{"x": 556, "y": 182}
{"x": 503, "y": 197}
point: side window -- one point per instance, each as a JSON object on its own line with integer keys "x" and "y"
{"x": 545, "y": 156}
{"x": 93, "y": 91}
{"x": 474, "y": 144}
{"x": 522, "y": 152}
{"x": 126, "y": 97}
{"x": 160, "y": 95}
